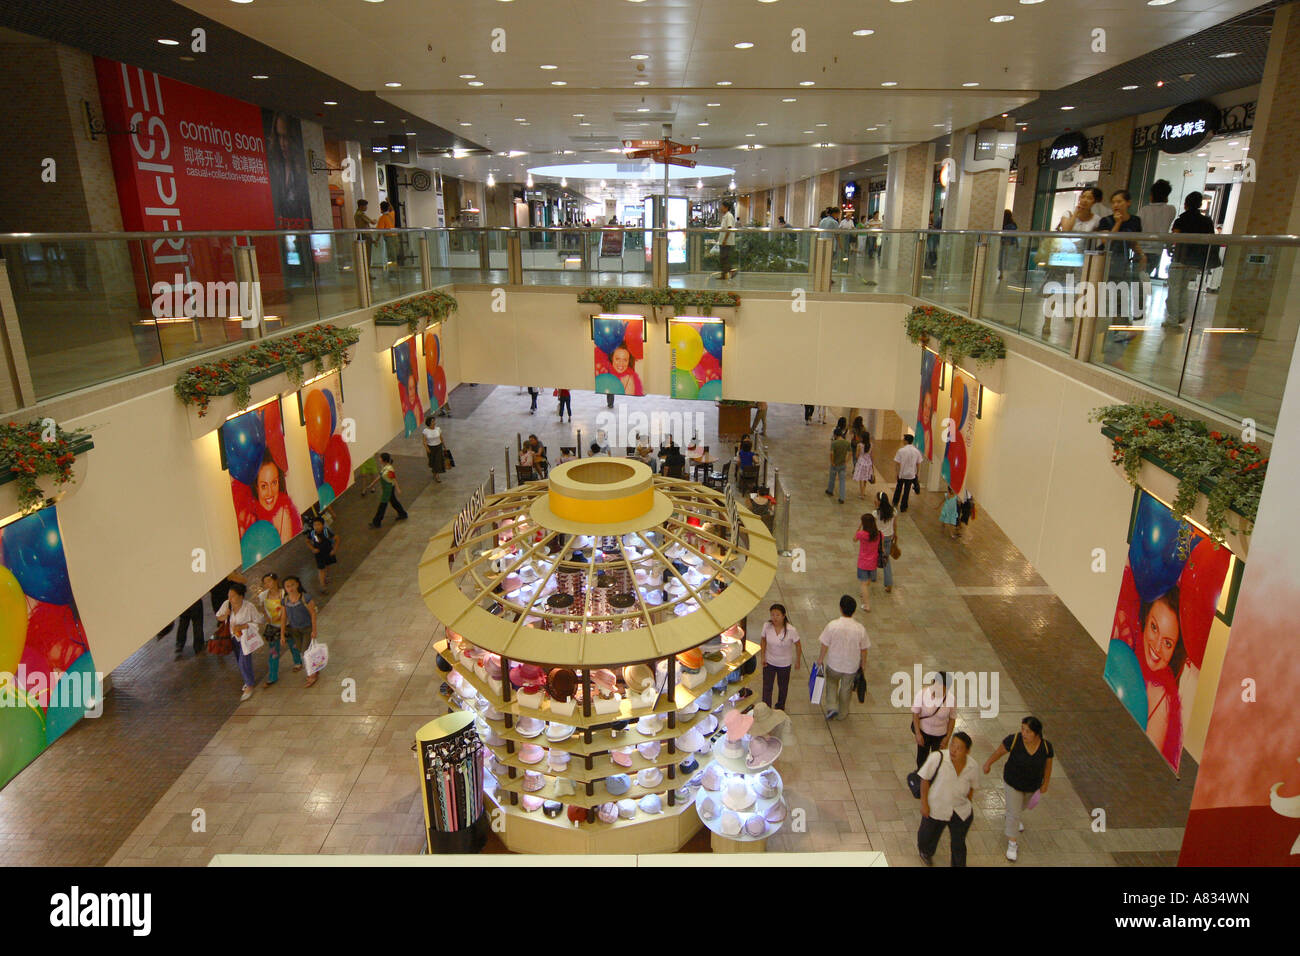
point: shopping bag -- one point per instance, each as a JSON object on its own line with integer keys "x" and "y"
{"x": 251, "y": 639}
{"x": 315, "y": 657}
{"x": 818, "y": 686}
{"x": 860, "y": 686}
{"x": 1033, "y": 800}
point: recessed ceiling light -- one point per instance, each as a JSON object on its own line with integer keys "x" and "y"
{"x": 643, "y": 109}
{"x": 788, "y": 99}
{"x": 521, "y": 119}
{"x": 807, "y": 132}
{"x": 872, "y": 129}
{"x": 750, "y": 134}
{"x": 1030, "y": 3}
{"x": 743, "y": 45}
{"x": 331, "y": 102}
{"x": 821, "y": 124}
{"x": 641, "y": 83}
{"x": 260, "y": 76}
{"x": 889, "y": 83}
{"x": 807, "y": 82}
{"x": 475, "y": 82}
{"x": 558, "y": 83}
{"x": 466, "y": 124}
{"x": 939, "y": 125}
{"x": 379, "y": 122}
{"x": 469, "y": 76}
{"x": 393, "y": 84}
{"x": 374, "y": 1}
{"x": 548, "y": 66}
{"x": 1001, "y": 18}
{"x": 1131, "y": 86}
{"x": 583, "y": 123}
{"x": 701, "y": 124}
{"x": 863, "y": 33}
{"x": 899, "y": 1}
{"x": 694, "y": 137}
{"x": 1225, "y": 55}
{"x": 760, "y": 124}
{"x": 970, "y": 84}
{"x": 712, "y": 104}
{"x": 1067, "y": 107}
{"x": 166, "y": 42}
{"x": 639, "y": 56}
{"x": 1202, "y": 154}
{"x": 241, "y": 1}
{"x": 1158, "y": 3}
{"x": 723, "y": 83}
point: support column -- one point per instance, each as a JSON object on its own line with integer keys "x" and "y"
{"x": 908, "y": 191}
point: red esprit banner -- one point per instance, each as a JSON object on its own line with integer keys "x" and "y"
{"x": 194, "y": 160}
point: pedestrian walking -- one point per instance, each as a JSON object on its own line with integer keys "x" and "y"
{"x": 869, "y": 546}
{"x": 886, "y": 523}
{"x": 844, "y": 652}
{"x": 272, "y": 599}
{"x": 324, "y": 544}
{"x": 909, "y": 457}
{"x": 1025, "y": 777}
{"x": 839, "y": 459}
{"x": 435, "y": 447}
{"x": 191, "y": 619}
{"x": 864, "y": 469}
{"x": 947, "y": 786}
{"x": 950, "y": 513}
{"x": 533, "y": 392}
{"x": 244, "y": 619}
{"x": 299, "y": 618}
{"x": 781, "y": 652}
{"x": 388, "y": 489}
{"x": 934, "y": 717}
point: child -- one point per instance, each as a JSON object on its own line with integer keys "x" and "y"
{"x": 948, "y": 512}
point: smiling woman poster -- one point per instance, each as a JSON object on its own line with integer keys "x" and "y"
{"x": 252, "y": 448}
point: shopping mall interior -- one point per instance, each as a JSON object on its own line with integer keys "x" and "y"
{"x": 508, "y": 428}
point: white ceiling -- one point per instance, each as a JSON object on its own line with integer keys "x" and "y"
{"x": 928, "y": 47}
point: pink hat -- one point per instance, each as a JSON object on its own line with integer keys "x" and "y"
{"x": 521, "y": 674}
{"x": 649, "y": 749}
{"x": 776, "y": 812}
{"x": 737, "y": 725}
{"x": 621, "y": 757}
{"x": 530, "y": 802}
{"x": 531, "y": 753}
{"x": 606, "y": 681}
{"x": 768, "y": 785}
{"x": 729, "y": 823}
{"x": 492, "y": 664}
{"x": 713, "y": 778}
{"x": 762, "y": 752}
{"x": 755, "y": 826}
{"x": 607, "y": 813}
{"x": 533, "y": 781}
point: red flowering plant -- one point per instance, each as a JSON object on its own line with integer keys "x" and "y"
{"x": 957, "y": 337}
{"x": 288, "y": 353}
{"x": 610, "y": 298}
{"x": 32, "y": 449}
{"x": 427, "y": 307}
{"x": 1232, "y": 469}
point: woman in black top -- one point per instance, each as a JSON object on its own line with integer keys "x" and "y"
{"x": 1027, "y": 773}
{"x": 1122, "y": 258}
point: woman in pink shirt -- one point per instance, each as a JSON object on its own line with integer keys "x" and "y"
{"x": 868, "y": 538}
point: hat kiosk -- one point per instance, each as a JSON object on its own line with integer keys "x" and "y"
{"x": 595, "y": 624}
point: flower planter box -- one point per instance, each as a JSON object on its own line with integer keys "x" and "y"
{"x": 734, "y": 420}
{"x": 990, "y": 376}
{"x": 1156, "y": 477}
{"x": 265, "y": 385}
{"x": 49, "y": 487}
{"x": 389, "y": 334}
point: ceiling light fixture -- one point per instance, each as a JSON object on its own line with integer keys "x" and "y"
{"x": 392, "y": 84}
{"x": 475, "y": 82}
{"x": 564, "y": 182}
{"x": 260, "y": 76}
{"x": 1067, "y": 107}
{"x": 379, "y": 122}
{"x": 863, "y": 33}
{"x": 469, "y": 76}
{"x": 1225, "y": 55}
{"x": 702, "y": 124}
{"x": 558, "y": 83}
{"x": 639, "y": 56}
{"x": 1131, "y": 86}
{"x": 1159, "y": 3}
{"x": 331, "y": 102}
{"x": 167, "y": 42}
{"x": 889, "y": 83}
{"x": 466, "y": 124}
{"x": 1001, "y": 18}
{"x": 807, "y": 82}
{"x": 743, "y": 45}
{"x": 641, "y": 83}
{"x": 760, "y": 124}
{"x": 723, "y": 83}
{"x": 970, "y": 84}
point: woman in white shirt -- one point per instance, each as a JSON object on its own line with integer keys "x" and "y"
{"x": 886, "y": 519}
{"x": 781, "y": 651}
{"x": 433, "y": 447}
{"x": 241, "y": 615}
{"x": 947, "y": 782}
{"x": 934, "y": 715}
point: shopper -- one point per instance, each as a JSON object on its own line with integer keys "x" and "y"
{"x": 1007, "y": 251}
{"x": 781, "y": 652}
{"x": 533, "y": 392}
{"x": 869, "y": 543}
{"x": 387, "y": 242}
{"x": 864, "y": 469}
{"x": 1124, "y": 260}
{"x": 1189, "y": 260}
{"x": 950, "y": 513}
{"x": 934, "y": 717}
{"x": 828, "y": 220}
{"x": 839, "y": 459}
{"x": 909, "y": 457}
{"x": 948, "y": 782}
{"x": 433, "y": 447}
{"x": 299, "y": 618}
{"x": 244, "y": 618}
{"x": 272, "y": 597}
{"x": 808, "y": 413}
{"x": 844, "y": 652}
{"x": 191, "y": 619}
{"x": 388, "y": 489}
{"x": 727, "y": 241}
{"x": 362, "y": 221}
{"x": 566, "y": 403}
{"x": 760, "y": 419}
{"x": 886, "y": 523}
{"x": 324, "y": 544}
{"x": 1026, "y": 775}
{"x": 1157, "y": 216}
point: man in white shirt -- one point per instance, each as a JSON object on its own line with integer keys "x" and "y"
{"x": 727, "y": 240}
{"x": 844, "y": 649}
{"x": 948, "y": 780}
{"x": 846, "y": 224}
{"x": 828, "y": 220}
{"x": 909, "y": 457}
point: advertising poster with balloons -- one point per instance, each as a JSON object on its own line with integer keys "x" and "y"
{"x": 696, "y": 349}
{"x": 958, "y": 440}
{"x": 322, "y": 413}
{"x": 931, "y": 372}
{"x": 434, "y": 374}
{"x": 406, "y": 366}
{"x": 1167, "y": 604}
{"x": 47, "y": 675}
{"x": 620, "y": 349}
{"x": 252, "y": 446}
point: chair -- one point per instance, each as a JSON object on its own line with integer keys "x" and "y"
{"x": 525, "y": 473}
{"x": 700, "y": 472}
{"x": 674, "y": 470}
{"x": 717, "y": 480}
{"x": 748, "y": 479}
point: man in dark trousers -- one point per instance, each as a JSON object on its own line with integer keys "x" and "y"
{"x": 191, "y": 618}
{"x": 388, "y": 489}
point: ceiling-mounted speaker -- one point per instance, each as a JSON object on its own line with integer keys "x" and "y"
{"x": 421, "y": 181}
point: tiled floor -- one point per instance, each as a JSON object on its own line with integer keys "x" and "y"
{"x": 175, "y": 778}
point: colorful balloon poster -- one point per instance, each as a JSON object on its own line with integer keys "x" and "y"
{"x": 959, "y": 432}
{"x": 931, "y": 372}
{"x": 321, "y": 405}
{"x": 252, "y": 445}
{"x": 696, "y": 349}
{"x": 406, "y": 367}
{"x": 434, "y": 374}
{"x": 47, "y": 674}
{"x": 1166, "y": 607}
{"x": 620, "y": 349}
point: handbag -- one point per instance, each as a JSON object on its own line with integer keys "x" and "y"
{"x": 315, "y": 657}
{"x": 251, "y": 640}
{"x": 450, "y": 458}
{"x": 914, "y": 778}
{"x": 816, "y": 685}
{"x": 219, "y": 642}
{"x": 893, "y": 550}
{"x": 860, "y": 686}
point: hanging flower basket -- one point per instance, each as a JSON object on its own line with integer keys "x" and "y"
{"x": 418, "y": 311}
{"x": 34, "y": 470}
{"x": 679, "y": 300}
{"x": 956, "y": 338}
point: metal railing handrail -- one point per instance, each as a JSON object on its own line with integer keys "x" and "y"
{"x": 1169, "y": 237}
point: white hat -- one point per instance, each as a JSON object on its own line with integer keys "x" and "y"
{"x": 729, "y": 824}
{"x": 738, "y": 796}
{"x": 768, "y": 785}
{"x": 649, "y": 777}
{"x": 529, "y": 727}
{"x": 650, "y": 724}
{"x": 651, "y": 803}
{"x": 690, "y": 710}
{"x": 713, "y": 778}
{"x": 627, "y": 809}
{"x": 649, "y": 749}
{"x": 709, "y": 809}
{"x": 755, "y": 826}
{"x": 557, "y": 759}
{"x": 691, "y": 741}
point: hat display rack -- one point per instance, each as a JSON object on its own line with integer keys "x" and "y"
{"x": 595, "y": 634}
{"x": 741, "y": 797}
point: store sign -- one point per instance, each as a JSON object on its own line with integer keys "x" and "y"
{"x": 1187, "y": 127}
{"x": 850, "y": 190}
{"x": 1234, "y": 119}
{"x": 1066, "y": 150}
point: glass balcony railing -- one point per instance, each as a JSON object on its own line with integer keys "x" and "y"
{"x": 1206, "y": 318}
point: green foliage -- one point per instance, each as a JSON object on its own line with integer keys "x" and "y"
{"x": 610, "y": 298}
{"x": 954, "y": 338}
{"x": 427, "y": 307}
{"x": 29, "y": 450}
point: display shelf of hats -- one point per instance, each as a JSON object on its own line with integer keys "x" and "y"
{"x": 741, "y": 797}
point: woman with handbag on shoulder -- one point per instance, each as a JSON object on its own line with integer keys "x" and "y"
{"x": 886, "y": 519}
{"x": 299, "y": 612}
{"x": 242, "y": 616}
{"x": 934, "y": 716}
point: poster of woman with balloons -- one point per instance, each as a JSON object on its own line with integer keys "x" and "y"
{"x": 433, "y": 371}
{"x": 1168, "y": 600}
{"x": 47, "y": 674}
{"x": 331, "y": 462}
{"x": 956, "y": 452}
{"x": 252, "y": 447}
{"x": 696, "y": 349}
{"x": 406, "y": 366}
{"x": 931, "y": 372}
{"x": 620, "y": 349}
